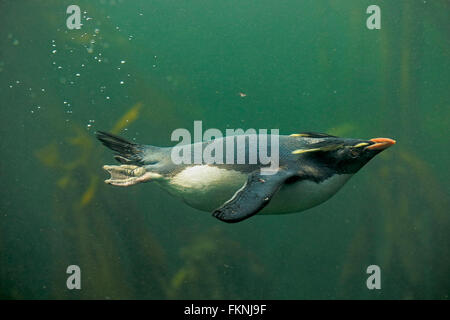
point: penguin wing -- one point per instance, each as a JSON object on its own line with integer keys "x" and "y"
{"x": 254, "y": 195}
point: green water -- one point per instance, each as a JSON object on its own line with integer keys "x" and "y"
{"x": 160, "y": 65}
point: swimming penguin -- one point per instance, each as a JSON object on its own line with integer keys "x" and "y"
{"x": 312, "y": 167}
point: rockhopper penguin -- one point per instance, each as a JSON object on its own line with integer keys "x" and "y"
{"x": 312, "y": 168}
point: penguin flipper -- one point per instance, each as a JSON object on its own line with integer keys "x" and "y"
{"x": 254, "y": 195}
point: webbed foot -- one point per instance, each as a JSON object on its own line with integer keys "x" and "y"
{"x": 128, "y": 175}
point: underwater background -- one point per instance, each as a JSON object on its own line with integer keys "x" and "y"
{"x": 141, "y": 69}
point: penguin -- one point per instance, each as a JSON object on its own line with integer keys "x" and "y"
{"x": 312, "y": 168}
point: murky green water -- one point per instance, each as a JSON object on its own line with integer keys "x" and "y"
{"x": 145, "y": 68}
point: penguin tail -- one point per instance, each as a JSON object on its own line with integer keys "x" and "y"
{"x": 126, "y": 152}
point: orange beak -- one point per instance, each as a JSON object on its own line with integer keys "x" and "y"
{"x": 381, "y": 143}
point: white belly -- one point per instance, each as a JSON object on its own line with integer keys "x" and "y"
{"x": 207, "y": 188}
{"x": 303, "y": 195}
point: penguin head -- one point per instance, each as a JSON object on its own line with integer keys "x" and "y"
{"x": 344, "y": 156}
{"x": 354, "y": 154}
